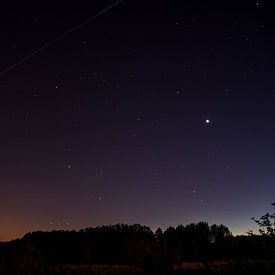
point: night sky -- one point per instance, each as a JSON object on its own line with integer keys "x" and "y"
{"x": 155, "y": 112}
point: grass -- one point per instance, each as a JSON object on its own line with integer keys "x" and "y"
{"x": 227, "y": 267}
{"x": 94, "y": 270}
{"x": 233, "y": 267}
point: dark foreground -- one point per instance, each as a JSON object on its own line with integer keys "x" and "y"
{"x": 135, "y": 249}
{"x": 193, "y": 268}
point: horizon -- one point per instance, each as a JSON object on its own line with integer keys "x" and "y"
{"x": 153, "y": 229}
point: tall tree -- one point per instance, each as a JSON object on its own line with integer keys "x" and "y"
{"x": 266, "y": 223}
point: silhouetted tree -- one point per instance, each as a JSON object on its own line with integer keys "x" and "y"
{"x": 158, "y": 234}
{"x": 266, "y": 224}
{"x": 219, "y": 233}
{"x": 134, "y": 245}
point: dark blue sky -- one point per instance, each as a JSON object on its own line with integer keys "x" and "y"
{"x": 160, "y": 113}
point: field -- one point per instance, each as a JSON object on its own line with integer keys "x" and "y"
{"x": 227, "y": 267}
{"x": 190, "y": 268}
{"x": 94, "y": 270}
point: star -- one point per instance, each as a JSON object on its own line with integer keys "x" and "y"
{"x": 99, "y": 173}
{"x": 207, "y": 121}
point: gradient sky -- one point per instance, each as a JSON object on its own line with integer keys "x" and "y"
{"x": 156, "y": 112}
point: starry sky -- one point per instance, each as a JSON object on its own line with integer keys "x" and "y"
{"x": 154, "y": 112}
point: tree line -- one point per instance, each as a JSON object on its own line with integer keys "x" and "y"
{"x": 133, "y": 245}
{"x": 136, "y": 245}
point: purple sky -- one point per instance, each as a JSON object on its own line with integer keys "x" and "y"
{"x": 157, "y": 113}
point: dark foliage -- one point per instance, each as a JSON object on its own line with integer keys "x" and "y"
{"x": 266, "y": 224}
{"x": 130, "y": 245}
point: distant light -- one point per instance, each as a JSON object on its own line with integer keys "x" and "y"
{"x": 207, "y": 121}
